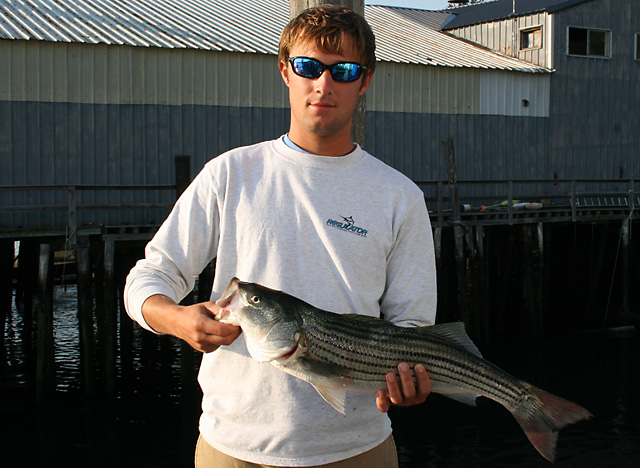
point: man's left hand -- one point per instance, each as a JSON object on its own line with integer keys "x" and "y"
{"x": 404, "y": 392}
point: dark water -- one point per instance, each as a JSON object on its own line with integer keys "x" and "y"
{"x": 152, "y": 419}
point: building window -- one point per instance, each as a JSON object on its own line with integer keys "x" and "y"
{"x": 638, "y": 47}
{"x": 531, "y": 38}
{"x": 589, "y": 42}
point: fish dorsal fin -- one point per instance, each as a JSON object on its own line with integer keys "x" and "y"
{"x": 334, "y": 396}
{"x": 455, "y": 332}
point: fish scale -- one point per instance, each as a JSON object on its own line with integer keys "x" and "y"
{"x": 324, "y": 338}
{"x": 337, "y": 353}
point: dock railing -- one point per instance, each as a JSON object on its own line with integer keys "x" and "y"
{"x": 479, "y": 202}
{"x": 525, "y": 201}
{"x": 104, "y": 199}
{"x": 73, "y": 207}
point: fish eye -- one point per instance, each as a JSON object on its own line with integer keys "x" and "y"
{"x": 255, "y": 299}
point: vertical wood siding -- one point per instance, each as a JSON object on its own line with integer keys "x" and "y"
{"x": 504, "y": 37}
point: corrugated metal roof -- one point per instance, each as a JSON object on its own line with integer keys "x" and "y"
{"x": 404, "y": 38}
{"x": 430, "y": 18}
{"x": 251, "y": 26}
{"x": 233, "y": 26}
{"x": 502, "y": 9}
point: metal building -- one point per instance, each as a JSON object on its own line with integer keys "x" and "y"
{"x": 107, "y": 93}
{"x": 591, "y": 46}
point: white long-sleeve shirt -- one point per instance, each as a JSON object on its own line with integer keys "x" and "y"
{"x": 347, "y": 234}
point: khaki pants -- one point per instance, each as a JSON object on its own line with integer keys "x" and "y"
{"x": 382, "y": 456}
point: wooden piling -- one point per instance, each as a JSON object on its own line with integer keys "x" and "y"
{"x": 127, "y": 254}
{"x": 458, "y": 232}
{"x": 533, "y": 277}
{"x": 27, "y": 283}
{"x": 478, "y": 282}
{"x": 6, "y": 284}
{"x": 469, "y": 285}
{"x": 110, "y": 305}
{"x": 626, "y": 268}
{"x": 85, "y": 313}
{"x": 503, "y": 273}
{"x": 437, "y": 244}
{"x": 45, "y": 358}
{"x": 598, "y": 258}
{"x": 97, "y": 254}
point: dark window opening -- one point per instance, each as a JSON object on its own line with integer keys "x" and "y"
{"x": 531, "y": 38}
{"x": 589, "y": 42}
{"x": 598, "y": 43}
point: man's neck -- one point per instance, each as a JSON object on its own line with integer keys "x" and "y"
{"x": 323, "y": 146}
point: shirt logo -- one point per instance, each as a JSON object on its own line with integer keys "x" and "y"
{"x": 347, "y": 225}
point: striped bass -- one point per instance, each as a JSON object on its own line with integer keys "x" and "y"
{"x": 338, "y": 353}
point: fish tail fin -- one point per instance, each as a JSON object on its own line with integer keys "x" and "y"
{"x": 543, "y": 416}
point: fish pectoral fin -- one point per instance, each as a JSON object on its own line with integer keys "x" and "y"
{"x": 466, "y": 398}
{"x": 455, "y": 332}
{"x": 332, "y": 395}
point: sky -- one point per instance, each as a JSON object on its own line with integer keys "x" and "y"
{"x": 422, "y": 4}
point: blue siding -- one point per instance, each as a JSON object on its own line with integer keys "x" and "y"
{"x": 66, "y": 143}
{"x": 595, "y": 101}
{"x": 100, "y": 144}
{"x": 486, "y": 147}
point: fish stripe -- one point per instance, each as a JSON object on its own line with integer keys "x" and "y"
{"x": 332, "y": 345}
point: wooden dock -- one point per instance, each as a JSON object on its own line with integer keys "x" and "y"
{"x": 503, "y": 250}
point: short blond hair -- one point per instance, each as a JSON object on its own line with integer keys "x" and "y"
{"x": 326, "y": 26}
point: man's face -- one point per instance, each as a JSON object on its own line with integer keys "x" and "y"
{"x": 322, "y": 108}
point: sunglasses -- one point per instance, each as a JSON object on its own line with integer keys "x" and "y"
{"x": 344, "y": 72}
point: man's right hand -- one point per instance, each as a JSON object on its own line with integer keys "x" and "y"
{"x": 194, "y": 324}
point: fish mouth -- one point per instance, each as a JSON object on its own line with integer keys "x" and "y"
{"x": 229, "y": 293}
{"x": 228, "y": 303}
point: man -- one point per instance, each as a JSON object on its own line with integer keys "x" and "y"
{"x": 310, "y": 214}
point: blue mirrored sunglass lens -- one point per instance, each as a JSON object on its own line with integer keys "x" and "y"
{"x": 307, "y": 68}
{"x": 346, "y": 71}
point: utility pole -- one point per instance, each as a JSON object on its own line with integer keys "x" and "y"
{"x": 298, "y": 6}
